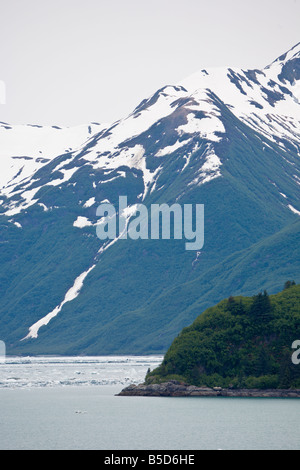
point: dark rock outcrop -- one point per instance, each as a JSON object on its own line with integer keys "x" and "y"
{"x": 177, "y": 389}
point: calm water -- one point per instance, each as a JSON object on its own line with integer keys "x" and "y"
{"x": 54, "y": 414}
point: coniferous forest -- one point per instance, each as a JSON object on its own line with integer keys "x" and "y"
{"x": 242, "y": 342}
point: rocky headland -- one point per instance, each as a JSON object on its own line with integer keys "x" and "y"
{"x": 174, "y": 388}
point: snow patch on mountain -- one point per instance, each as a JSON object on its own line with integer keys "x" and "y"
{"x": 26, "y": 201}
{"x": 205, "y": 128}
{"x": 24, "y": 149}
{"x": 67, "y": 175}
{"x": 296, "y": 91}
{"x": 70, "y": 295}
{"x": 82, "y": 222}
{"x": 209, "y": 170}
{"x": 17, "y": 224}
{"x": 295, "y": 211}
{"x": 131, "y": 157}
{"x": 172, "y": 148}
{"x": 89, "y": 203}
{"x": 28, "y": 197}
{"x": 204, "y": 117}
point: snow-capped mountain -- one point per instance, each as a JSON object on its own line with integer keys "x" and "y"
{"x": 227, "y": 138}
{"x": 27, "y": 148}
{"x": 266, "y": 100}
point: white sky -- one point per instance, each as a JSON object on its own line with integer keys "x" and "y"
{"x": 69, "y": 62}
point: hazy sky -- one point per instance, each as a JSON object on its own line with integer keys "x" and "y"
{"x": 70, "y": 62}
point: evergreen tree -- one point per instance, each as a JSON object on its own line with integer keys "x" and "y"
{"x": 263, "y": 362}
{"x": 289, "y": 284}
{"x": 235, "y": 307}
{"x": 261, "y": 307}
{"x": 285, "y": 374}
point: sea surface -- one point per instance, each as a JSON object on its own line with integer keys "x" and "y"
{"x": 71, "y": 403}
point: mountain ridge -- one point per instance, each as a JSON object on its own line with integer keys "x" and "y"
{"x": 184, "y": 144}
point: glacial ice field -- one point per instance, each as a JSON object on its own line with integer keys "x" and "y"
{"x": 29, "y": 372}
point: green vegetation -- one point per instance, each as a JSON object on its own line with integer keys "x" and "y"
{"x": 142, "y": 293}
{"x": 243, "y": 342}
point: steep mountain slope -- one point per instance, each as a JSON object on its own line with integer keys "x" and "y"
{"x": 228, "y": 139}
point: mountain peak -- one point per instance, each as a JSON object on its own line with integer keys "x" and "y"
{"x": 293, "y": 53}
{"x": 227, "y": 138}
{"x": 287, "y": 66}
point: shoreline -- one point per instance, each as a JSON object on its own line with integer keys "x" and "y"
{"x": 177, "y": 389}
